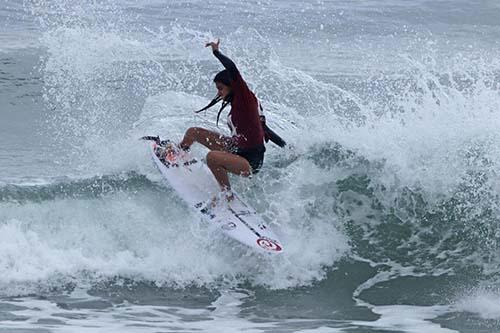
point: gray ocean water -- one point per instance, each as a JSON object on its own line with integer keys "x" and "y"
{"x": 386, "y": 199}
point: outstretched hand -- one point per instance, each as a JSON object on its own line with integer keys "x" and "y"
{"x": 214, "y": 45}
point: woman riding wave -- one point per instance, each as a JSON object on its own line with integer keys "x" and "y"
{"x": 242, "y": 153}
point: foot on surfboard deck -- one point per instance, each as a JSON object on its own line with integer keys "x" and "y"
{"x": 221, "y": 200}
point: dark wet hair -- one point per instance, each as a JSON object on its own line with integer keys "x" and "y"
{"x": 223, "y": 77}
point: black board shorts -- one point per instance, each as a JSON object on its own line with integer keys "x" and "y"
{"x": 254, "y": 156}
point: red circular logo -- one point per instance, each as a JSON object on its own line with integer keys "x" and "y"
{"x": 268, "y": 244}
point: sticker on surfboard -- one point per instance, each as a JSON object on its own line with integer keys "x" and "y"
{"x": 269, "y": 244}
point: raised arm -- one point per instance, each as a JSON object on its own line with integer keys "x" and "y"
{"x": 225, "y": 61}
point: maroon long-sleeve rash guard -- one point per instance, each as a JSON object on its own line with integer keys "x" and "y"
{"x": 243, "y": 119}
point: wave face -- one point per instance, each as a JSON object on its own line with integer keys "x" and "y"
{"x": 391, "y": 173}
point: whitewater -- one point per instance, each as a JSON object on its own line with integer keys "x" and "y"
{"x": 386, "y": 197}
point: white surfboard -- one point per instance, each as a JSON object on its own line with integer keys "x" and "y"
{"x": 196, "y": 185}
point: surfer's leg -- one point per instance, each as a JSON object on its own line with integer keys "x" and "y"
{"x": 221, "y": 162}
{"x": 210, "y": 139}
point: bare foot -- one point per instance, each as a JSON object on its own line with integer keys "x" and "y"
{"x": 229, "y": 196}
{"x": 216, "y": 199}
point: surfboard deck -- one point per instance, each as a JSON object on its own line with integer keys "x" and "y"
{"x": 196, "y": 185}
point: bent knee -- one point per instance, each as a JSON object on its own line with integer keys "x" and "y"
{"x": 192, "y": 131}
{"x": 212, "y": 159}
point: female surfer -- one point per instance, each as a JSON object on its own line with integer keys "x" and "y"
{"x": 242, "y": 153}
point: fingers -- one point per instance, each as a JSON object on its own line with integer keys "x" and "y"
{"x": 214, "y": 45}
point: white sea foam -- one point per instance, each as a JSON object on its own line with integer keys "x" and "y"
{"x": 483, "y": 303}
{"x": 223, "y": 315}
{"x": 406, "y": 318}
{"x": 146, "y": 236}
